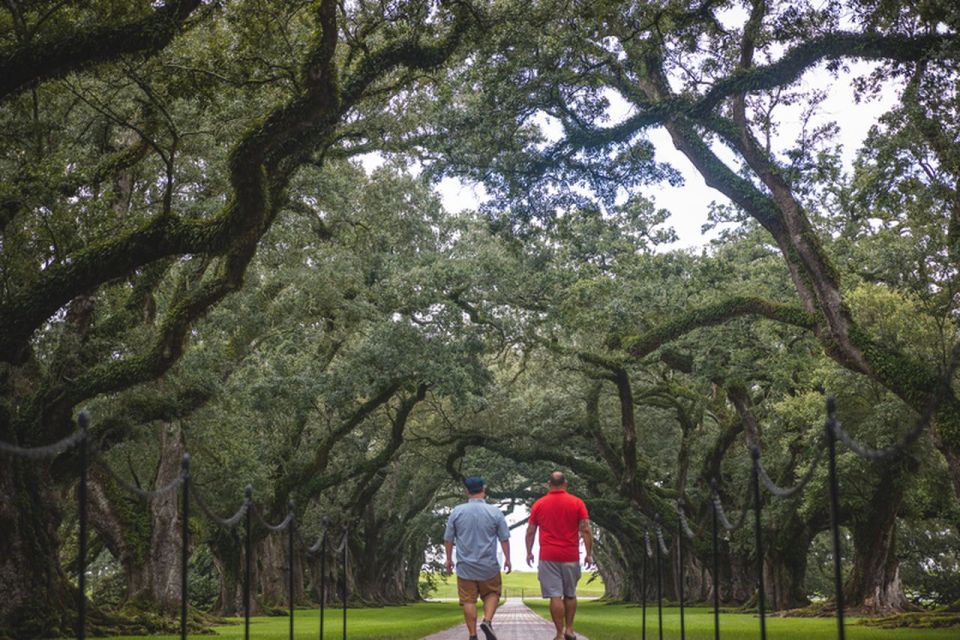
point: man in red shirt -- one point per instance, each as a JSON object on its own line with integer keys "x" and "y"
{"x": 562, "y": 519}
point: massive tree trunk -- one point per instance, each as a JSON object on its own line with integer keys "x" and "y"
{"x": 738, "y": 579}
{"x": 145, "y": 535}
{"x": 37, "y": 599}
{"x": 227, "y": 551}
{"x": 126, "y": 537}
{"x": 784, "y": 572}
{"x": 622, "y": 545}
{"x": 160, "y": 573}
{"x": 874, "y": 586}
{"x": 271, "y": 558}
{"x": 612, "y": 566}
{"x": 411, "y": 573}
{"x": 695, "y": 587}
{"x": 386, "y": 564}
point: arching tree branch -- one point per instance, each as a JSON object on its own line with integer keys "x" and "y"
{"x": 44, "y": 58}
{"x": 718, "y": 313}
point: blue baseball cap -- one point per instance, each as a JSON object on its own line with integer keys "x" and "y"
{"x": 474, "y": 484}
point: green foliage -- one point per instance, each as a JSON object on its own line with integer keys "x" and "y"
{"x": 186, "y": 239}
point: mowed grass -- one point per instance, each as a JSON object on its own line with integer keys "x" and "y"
{"x": 602, "y": 621}
{"x": 407, "y": 622}
{"x": 524, "y": 582}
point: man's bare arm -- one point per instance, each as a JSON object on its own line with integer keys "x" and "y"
{"x": 507, "y": 565}
{"x": 587, "y": 534}
{"x": 531, "y": 535}
{"x": 448, "y": 547}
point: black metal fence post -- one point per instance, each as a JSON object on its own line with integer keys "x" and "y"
{"x": 185, "y": 545}
{"x": 248, "y": 560}
{"x": 84, "y": 421}
{"x": 323, "y": 578}
{"x": 680, "y": 572}
{"x": 761, "y": 605}
{"x": 643, "y": 586}
{"x": 716, "y": 566}
{"x": 290, "y": 530}
{"x": 659, "y": 584}
{"x": 343, "y": 593}
{"x": 834, "y": 505}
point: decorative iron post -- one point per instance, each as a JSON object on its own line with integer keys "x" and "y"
{"x": 716, "y": 565}
{"x": 291, "y": 525}
{"x": 761, "y": 605}
{"x": 834, "y": 506}
{"x": 83, "y": 421}
{"x": 185, "y": 545}
{"x": 643, "y": 586}
{"x": 248, "y": 560}
{"x": 659, "y": 584}
{"x": 343, "y": 594}
{"x": 680, "y": 572}
{"x": 323, "y": 575}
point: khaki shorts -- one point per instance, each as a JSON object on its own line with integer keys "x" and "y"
{"x": 470, "y": 590}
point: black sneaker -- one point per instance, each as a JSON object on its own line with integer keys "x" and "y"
{"x": 487, "y": 627}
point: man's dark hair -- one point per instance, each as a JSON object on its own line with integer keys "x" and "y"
{"x": 474, "y": 484}
{"x": 557, "y": 479}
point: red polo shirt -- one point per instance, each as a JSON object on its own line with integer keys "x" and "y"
{"x": 558, "y": 515}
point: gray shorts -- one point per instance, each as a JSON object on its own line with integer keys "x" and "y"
{"x": 558, "y": 579}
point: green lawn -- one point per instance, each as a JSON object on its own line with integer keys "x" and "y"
{"x": 601, "y": 621}
{"x": 388, "y": 623}
{"x": 597, "y": 620}
{"x": 524, "y": 582}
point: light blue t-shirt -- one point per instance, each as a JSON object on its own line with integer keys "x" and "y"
{"x": 475, "y": 528}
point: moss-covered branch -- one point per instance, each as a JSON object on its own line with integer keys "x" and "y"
{"x": 374, "y": 469}
{"x": 43, "y": 58}
{"x": 309, "y": 485}
{"x": 412, "y": 53}
{"x": 261, "y": 165}
{"x": 646, "y": 343}
{"x": 314, "y": 473}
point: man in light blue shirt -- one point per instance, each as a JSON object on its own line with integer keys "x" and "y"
{"x": 474, "y": 528}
